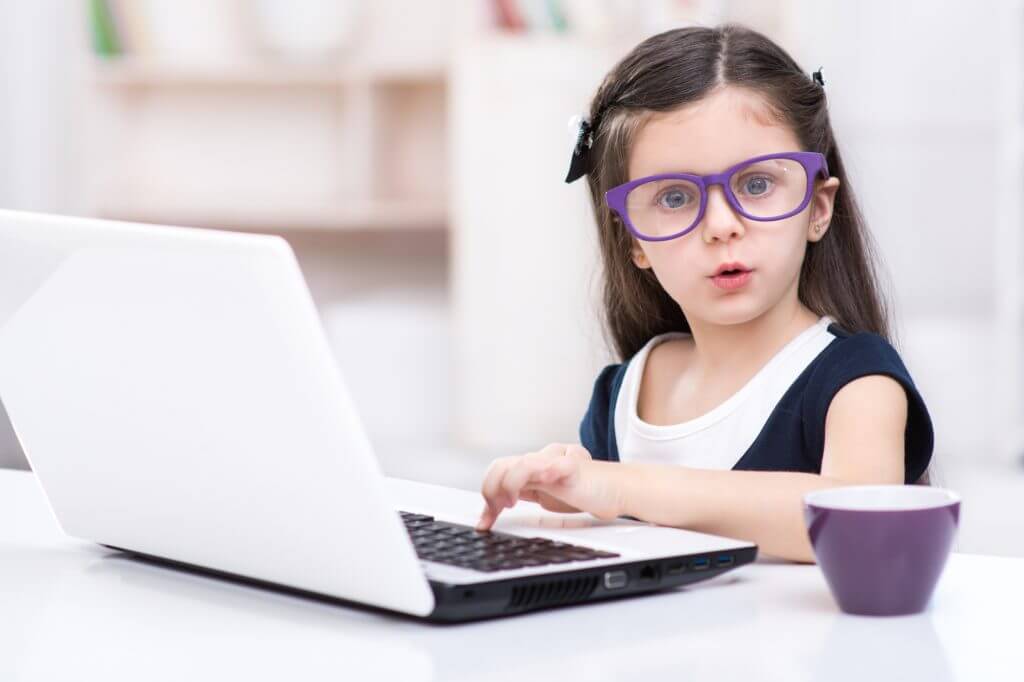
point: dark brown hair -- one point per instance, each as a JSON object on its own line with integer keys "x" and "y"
{"x": 679, "y": 67}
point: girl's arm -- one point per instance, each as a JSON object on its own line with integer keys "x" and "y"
{"x": 863, "y": 445}
{"x": 864, "y": 431}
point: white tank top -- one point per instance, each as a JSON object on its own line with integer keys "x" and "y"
{"x": 719, "y": 438}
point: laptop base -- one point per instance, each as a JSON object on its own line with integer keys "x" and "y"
{"x": 519, "y": 595}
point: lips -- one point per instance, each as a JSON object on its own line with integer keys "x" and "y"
{"x": 734, "y": 268}
{"x": 731, "y": 276}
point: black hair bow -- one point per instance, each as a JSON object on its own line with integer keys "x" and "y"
{"x": 579, "y": 162}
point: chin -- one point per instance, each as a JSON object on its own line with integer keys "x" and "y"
{"x": 734, "y": 312}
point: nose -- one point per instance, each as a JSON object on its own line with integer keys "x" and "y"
{"x": 720, "y": 221}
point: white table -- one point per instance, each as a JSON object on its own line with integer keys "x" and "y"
{"x": 74, "y": 610}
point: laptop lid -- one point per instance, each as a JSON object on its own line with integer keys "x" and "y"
{"x": 175, "y": 394}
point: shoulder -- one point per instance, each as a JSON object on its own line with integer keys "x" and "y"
{"x": 597, "y": 428}
{"x": 608, "y": 380}
{"x": 853, "y": 357}
{"x": 861, "y": 344}
{"x": 657, "y": 373}
{"x": 671, "y": 349}
{"x": 862, "y": 376}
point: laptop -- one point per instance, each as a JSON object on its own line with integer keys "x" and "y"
{"x": 176, "y": 396}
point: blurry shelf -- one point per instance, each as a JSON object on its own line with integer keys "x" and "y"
{"x": 353, "y": 216}
{"x": 134, "y": 72}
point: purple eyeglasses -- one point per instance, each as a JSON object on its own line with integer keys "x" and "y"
{"x": 769, "y": 187}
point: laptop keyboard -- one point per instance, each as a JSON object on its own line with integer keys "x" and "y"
{"x": 466, "y": 547}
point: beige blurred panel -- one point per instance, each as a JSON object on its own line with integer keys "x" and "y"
{"x": 237, "y": 146}
{"x": 527, "y": 344}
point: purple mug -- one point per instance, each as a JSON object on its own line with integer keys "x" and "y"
{"x": 882, "y": 548}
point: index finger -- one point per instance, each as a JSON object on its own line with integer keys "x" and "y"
{"x": 491, "y": 491}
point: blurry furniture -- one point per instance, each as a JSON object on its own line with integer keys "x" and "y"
{"x": 198, "y": 121}
{"x": 372, "y": 140}
{"x": 220, "y": 114}
{"x": 524, "y": 250}
{"x": 417, "y": 118}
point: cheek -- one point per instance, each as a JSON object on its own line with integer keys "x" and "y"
{"x": 780, "y": 256}
{"x": 677, "y": 264}
{"x": 791, "y": 249}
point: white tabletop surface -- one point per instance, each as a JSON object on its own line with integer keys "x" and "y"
{"x": 74, "y": 610}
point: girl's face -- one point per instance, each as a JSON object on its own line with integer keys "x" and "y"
{"x": 729, "y": 126}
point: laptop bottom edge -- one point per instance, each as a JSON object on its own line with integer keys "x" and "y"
{"x": 460, "y": 603}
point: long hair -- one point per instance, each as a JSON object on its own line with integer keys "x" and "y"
{"x": 667, "y": 71}
{"x": 679, "y": 67}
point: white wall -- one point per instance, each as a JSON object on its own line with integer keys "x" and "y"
{"x": 912, "y": 89}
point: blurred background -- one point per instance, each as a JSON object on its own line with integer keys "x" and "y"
{"x": 413, "y": 153}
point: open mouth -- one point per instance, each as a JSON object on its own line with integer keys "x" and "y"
{"x": 733, "y": 278}
{"x": 732, "y": 272}
{"x": 731, "y": 269}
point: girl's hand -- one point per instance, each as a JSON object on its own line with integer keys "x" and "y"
{"x": 562, "y": 478}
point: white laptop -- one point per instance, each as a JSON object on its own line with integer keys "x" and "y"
{"x": 175, "y": 394}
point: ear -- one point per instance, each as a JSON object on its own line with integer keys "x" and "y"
{"x": 821, "y": 208}
{"x": 638, "y": 256}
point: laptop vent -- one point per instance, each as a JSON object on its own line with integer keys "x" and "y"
{"x": 551, "y": 592}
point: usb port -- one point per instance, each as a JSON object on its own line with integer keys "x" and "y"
{"x": 724, "y": 560}
{"x": 701, "y": 564}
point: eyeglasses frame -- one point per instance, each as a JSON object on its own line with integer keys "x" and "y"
{"x": 813, "y": 163}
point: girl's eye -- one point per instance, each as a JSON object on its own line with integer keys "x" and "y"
{"x": 673, "y": 199}
{"x": 756, "y": 185}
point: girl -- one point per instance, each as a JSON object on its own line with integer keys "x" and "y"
{"x": 741, "y": 297}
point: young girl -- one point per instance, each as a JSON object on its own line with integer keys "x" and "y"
{"x": 741, "y": 297}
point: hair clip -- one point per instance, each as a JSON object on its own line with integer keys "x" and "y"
{"x": 817, "y": 77}
{"x": 581, "y": 140}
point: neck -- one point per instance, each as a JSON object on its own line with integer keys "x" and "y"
{"x": 722, "y": 350}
